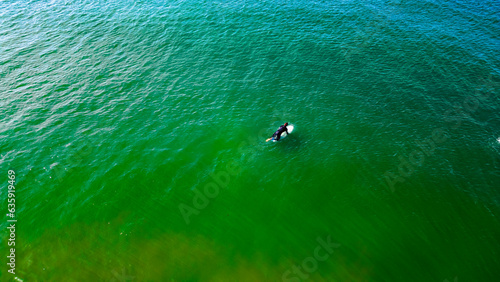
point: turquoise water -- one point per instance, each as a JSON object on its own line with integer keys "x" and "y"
{"x": 137, "y": 131}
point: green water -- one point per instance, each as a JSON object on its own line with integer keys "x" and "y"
{"x": 137, "y": 131}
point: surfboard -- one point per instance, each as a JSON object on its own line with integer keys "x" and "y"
{"x": 283, "y": 135}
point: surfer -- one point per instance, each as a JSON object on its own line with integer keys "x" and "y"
{"x": 277, "y": 134}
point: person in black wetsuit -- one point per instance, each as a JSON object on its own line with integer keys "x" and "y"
{"x": 277, "y": 134}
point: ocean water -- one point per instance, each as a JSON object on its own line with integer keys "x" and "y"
{"x": 136, "y": 131}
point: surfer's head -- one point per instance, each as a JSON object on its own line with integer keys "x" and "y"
{"x": 286, "y": 123}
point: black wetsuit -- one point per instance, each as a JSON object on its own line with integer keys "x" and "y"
{"x": 277, "y": 134}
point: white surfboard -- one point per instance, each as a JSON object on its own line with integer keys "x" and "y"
{"x": 283, "y": 135}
